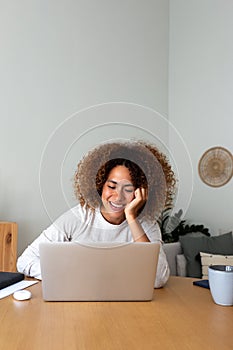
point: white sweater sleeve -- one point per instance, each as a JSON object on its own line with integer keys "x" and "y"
{"x": 29, "y": 262}
{"x": 60, "y": 231}
{"x": 163, "y": 272}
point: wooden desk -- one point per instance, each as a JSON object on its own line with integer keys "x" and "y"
{"x": 181, "y": 316}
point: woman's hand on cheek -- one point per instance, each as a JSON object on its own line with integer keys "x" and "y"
{"x": 132, "y": 208}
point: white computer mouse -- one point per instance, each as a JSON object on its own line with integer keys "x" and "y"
{"x": 22, "y": 294}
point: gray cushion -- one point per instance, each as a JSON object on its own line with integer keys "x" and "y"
{"x": 192, "y": 246}
{"x": 171, "y": 250}
{"x": 181, "y": 265}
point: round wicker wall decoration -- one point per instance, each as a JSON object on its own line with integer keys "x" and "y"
{"x": 216, "y": 166}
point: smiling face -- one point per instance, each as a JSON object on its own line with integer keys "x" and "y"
{"x": 117, "y": 192}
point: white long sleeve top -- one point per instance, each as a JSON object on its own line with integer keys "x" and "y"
{"x": 80, "y": 224}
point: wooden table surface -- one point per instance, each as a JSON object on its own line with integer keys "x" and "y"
{"x": 181, "y": 316}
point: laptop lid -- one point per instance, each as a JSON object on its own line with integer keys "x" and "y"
{"x": 74, "y": 271}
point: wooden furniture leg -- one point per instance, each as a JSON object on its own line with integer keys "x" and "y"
{"x": 8, "y": 246}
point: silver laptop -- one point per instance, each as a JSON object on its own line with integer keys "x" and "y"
{"x": 98, "y": 271}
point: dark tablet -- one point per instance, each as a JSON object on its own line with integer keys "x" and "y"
{"x": 202, "y": 283}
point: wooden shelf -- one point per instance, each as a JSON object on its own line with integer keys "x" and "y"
{"x": 8, "y": 246}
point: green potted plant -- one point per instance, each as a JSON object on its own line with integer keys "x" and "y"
{"x": 172, "y": 226}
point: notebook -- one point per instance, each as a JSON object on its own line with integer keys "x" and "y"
{"x": 73, "y": 271}
{"x": 9, "y": 278}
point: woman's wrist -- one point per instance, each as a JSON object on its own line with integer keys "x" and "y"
{"x": 130, "y": 217}
{"x": 137, "y": 231}
{"x": 141, "y": 238}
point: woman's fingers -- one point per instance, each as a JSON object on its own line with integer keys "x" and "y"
{"x": 141, "y": 193}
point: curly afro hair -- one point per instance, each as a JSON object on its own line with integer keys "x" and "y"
{"x": 148, "y": 168}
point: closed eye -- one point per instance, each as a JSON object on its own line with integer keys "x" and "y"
{"x": 129, "y": 191}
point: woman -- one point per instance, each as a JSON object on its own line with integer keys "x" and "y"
{"x": 122, "y": 188}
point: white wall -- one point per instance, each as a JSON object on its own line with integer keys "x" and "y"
{"x": 59, "y": 57}
{"x": 200, "y": 97}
